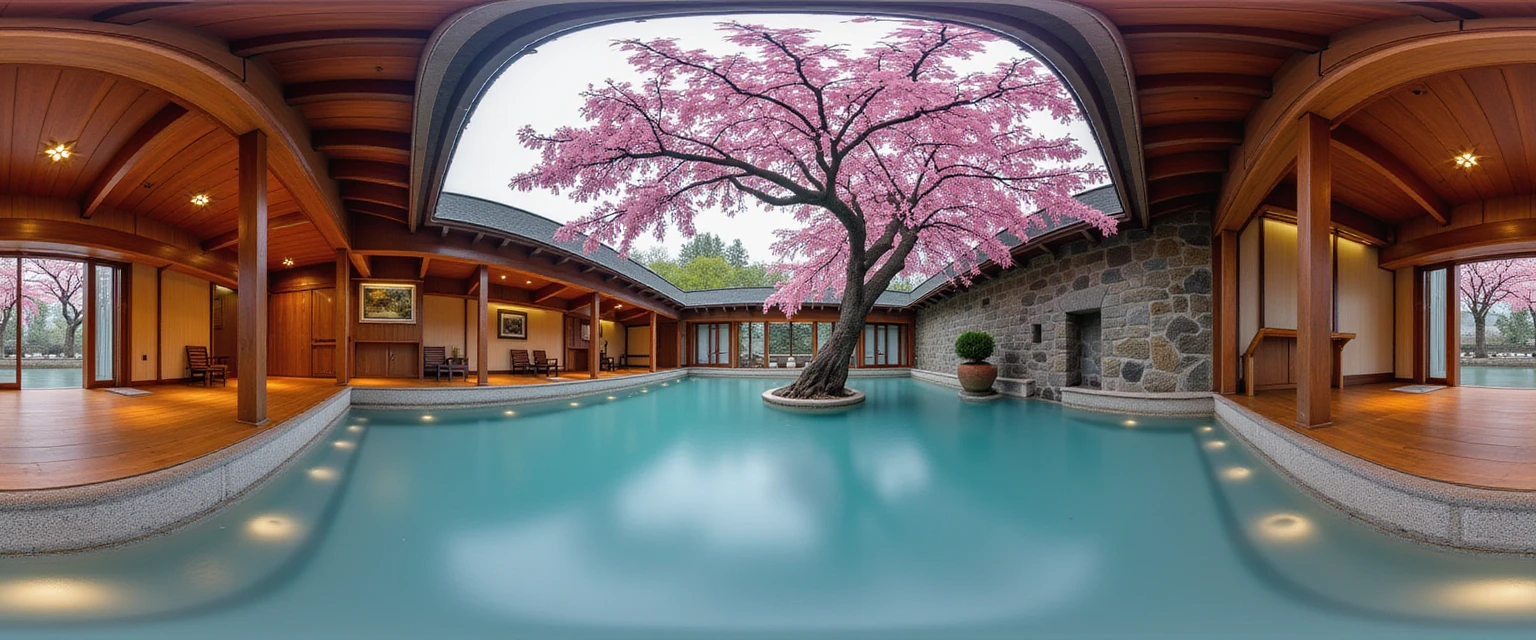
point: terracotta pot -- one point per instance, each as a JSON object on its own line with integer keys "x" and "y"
{"x": 977, "y": 377}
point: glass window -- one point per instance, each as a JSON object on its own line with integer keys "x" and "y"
{"x": 1436, "y": 296}
{"x": 710, "y": 343}
{"x": 750, "y": 343}
{"x": 105, "y": 364}
{"x": 10, "y": 317}
{"x": 883, "y": 345}
{"x": 823, "y": 334}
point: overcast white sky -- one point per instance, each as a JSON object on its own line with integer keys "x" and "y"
{"x": 544, "y": 90}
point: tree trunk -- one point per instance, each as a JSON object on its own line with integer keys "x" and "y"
{"x": 1480, "y": 323}
{"x": 827, "y": 375}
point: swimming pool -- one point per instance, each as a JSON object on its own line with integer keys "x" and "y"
{"x": 690, "y": 510}
{"x": 1511, "y": 377}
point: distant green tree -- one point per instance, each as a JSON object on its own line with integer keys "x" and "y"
{"x": 1516, "y": 327}
{"x": 904, "y": 283}
{"x": 736, "y": 255}
{"x": 704, "y": 245}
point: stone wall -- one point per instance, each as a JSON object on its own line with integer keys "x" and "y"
{"x": 1152, "y": 287}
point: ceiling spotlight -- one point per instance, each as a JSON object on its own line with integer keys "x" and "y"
{"x": 287, "y": 262}
{"x": 201, "y": 200}
{"x": 57, "y": 151}
{"x": 618, "y": 306}
{"x": 503, "y": 277}
{"x": 1466, "y": 160}
{"x": 528, "y": 282}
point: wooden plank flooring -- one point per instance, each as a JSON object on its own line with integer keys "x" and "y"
{"x": 68, "y": 437}
{"x": 1471, "y": 436}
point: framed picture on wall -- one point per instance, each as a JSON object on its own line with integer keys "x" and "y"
{"x": 387, "y": 303}
{"x": 511, "y": 324}
{"x": 586, "y": 331}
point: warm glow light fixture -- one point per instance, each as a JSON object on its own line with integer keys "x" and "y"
{"x": 201, "y": 200}
{"x": 528, "y": 282}
{"x": 58, "y": 151}
{"x": 1466, "y": 160}
{"x": 287, "y": 262}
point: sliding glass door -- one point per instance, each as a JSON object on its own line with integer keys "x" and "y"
{"x": 1440, "y": 324}
{"x": 10, "y": 322}
{"x": 103, "y": 325}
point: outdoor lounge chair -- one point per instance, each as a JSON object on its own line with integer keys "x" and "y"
{"x": 546, "y": 365}
{"x": 435, "y": 362}
{"x": 521, "y": 363}
{"x": 200, "y": 366}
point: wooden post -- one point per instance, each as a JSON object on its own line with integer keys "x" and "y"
{"x": 652, "y": 358}
{"x": 252, "y": 330}
{"x": 343, "y": 315}
{"x": 1314, "y": 297}
{"x": 1225, "y": 270}
{"x": 680, "y": 360}
{"x": 594, "y": 365}
{"x": 483, "y": 341}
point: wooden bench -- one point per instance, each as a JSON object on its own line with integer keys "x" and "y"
{"x": 1250, "y": 377}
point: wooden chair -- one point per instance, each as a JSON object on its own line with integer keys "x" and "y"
{"x": 607, "y": 363}
{"x": 542, "y": 363}
{"x": 521, "y": 363}
{"x": 433, "y": 362}
{"x": 200, "y": 367}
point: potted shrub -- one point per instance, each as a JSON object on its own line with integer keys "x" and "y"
{"x": 976, "y": 374}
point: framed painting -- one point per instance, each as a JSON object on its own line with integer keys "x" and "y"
{"x": 586, "y": 331}
{"x": 511, "y": 325}
{"x": 387, "y": 303}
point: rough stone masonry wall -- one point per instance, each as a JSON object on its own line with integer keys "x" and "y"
{"x": 1153, "y": 288}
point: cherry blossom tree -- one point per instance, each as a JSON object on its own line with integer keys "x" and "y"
{"x": 63, "y": 282}
{"x": 891, "y": 162}
{"x": 1487, "y": 284}
{"x": 13, "y": 299}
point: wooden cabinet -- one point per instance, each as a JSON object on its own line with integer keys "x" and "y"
{"x": 387, "y": 360}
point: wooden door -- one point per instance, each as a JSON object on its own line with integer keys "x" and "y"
{"x": 322, "y": 333}
{"x": 288, "y": 314}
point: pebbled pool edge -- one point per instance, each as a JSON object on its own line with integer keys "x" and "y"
{"x": 1431, "y": 511}
{"x": 120, "y": 511}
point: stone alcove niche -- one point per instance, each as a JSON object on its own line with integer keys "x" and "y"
{"x": 1083, "y": 338}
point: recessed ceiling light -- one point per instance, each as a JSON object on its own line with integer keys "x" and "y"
{"x": 503, "y": 277}
{"x": 1466, "y": 160}
{"x": 287, "y": 262}
{"x": 201, "y": 200}
{"x": 57, "y": 151}
{"x": 528, "y": 282}
{"x": 618, "y": 306}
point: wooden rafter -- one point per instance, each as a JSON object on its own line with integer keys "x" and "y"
{"x": 1165, "y": 83}
{"x": 350, "y": 89}
{"x": 230, "y": 238}
{"x": 301, "y": 39}
{"x": 1297, "y": 40}
{"x": 548, "y": 291}
{"x": 389, "y": 173}
{"x": 1393, "y": 170}
{"x": 1174, "y": 136}
{"x": 1184, "y": 164}
{"x": 128, "y": 157}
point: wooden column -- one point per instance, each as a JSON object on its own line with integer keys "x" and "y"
{"x": 483, "y": 341}
{"x": 1453, "y": 326}
{"x": 594, "y": 365}
{"x": 680, "y": 359}
{"x": 1225, "y": 303}
{"x": 652, "y": 358}
{"x": 252, "y": 330}
{"x": 343, "y": 315}
{"x": 1314, "y": 296}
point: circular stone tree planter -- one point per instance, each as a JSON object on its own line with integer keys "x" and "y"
{"x": 985, "y": 396}
{"x": 854, "y": 398}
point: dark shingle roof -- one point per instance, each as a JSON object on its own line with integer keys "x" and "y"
{"x": 455, "y": 208}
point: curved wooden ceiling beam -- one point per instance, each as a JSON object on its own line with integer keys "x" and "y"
{"x": 1391, "y": 169}
{"x": 298, "y": 40}
{"x": 129, "y": 155}
{"x": 343, "y": 140}
{"x": 1297, "y": 40}
{"x": 1185, "y": 164}
{"x": 31, "y": 234}
{"x": 199, "y": 72}
{"x": 1165, "y": 83}
{"x": 228, "y": 239}
{"x": 1474, "y": 242}
{"x": 376, "y": 193}
{"x": 1190, "y": 185}
{"x": 374, "y": 209}
{"x": 351, "y": 89}
{"x": 396, "y": 175}
{"x": 1169, "y": 139}
{"x": 1355, "y": 69}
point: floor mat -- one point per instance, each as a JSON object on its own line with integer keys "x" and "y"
{"x": 1419, "y": 388}
{"x": 125, "y": 391}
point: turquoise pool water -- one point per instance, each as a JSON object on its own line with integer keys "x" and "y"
{"x": 50, "y": 378}
{"x": 1511, "y": 377}
{"x": 690, "y": 510}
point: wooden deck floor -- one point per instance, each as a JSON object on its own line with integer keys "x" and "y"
{"x": 68, "y": 437}
{"x": 1471, "y": 436}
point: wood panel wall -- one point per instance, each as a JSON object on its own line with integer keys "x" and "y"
{"x": 145, "y": 309}
{"x": 186, "y": 306}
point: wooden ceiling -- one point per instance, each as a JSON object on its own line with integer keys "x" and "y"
{"x": 137, "y": 152}
{"x": 1203, "y": 65}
